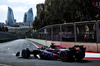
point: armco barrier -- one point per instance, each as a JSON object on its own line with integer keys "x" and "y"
{"x": 93, "y": 47}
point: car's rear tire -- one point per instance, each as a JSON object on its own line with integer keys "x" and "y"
{"x": 63, "y": 56}
{"x": 79, "y": 59}
{"x": 72, "y": 59}
{"x": 80, "y": 56}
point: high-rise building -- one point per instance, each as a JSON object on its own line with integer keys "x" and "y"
{"x": 10, "y": 17}
{"x": 28, "y": 17}
{"x": 25, "y": 17}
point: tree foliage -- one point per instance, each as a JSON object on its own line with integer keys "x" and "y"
{"x": 66, "y": 10}
{"x": 4, "y": 29}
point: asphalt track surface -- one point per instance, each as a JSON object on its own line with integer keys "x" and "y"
{"x": 9, "y": 49}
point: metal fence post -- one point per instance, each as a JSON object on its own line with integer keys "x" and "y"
{"x": 60, "y": 32}
{"x": 51, "y": 33}
{"x": 75, "y": 32}
{"x": 46, "y": 36}
{"x": 97, "y": 31}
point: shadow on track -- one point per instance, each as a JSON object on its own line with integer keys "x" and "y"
{"x": 26, "y": 58}
{"x": 81, "y": 61}
{"x": 84, "y": 61}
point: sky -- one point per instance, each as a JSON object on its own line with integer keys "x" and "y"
{"x": 19, "y": 7}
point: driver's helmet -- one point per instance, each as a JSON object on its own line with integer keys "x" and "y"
{"x": 52, "y": 46}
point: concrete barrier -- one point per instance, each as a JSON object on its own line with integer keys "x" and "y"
{"x": 49, "y": 43}
{"x": 89, "y": 46}
{"x": 7, "y": 36}
{"x": 98, "y": 50}
{"x": 67, "y": 44}
{"x": 93, "y": 47}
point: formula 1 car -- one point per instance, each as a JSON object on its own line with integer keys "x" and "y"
{"x": 55, "y": 52}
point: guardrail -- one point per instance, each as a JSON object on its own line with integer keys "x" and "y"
{"x": 86, "y": 31}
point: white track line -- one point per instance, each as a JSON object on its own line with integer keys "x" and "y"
{"x": 34, "y": 44}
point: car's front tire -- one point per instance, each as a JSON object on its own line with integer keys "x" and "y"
{"x": 26, "y": 53}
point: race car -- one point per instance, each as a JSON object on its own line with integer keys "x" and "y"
{"x": 55, "y": 52}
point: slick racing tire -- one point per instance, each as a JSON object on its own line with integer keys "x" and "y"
{"x": 80, "y": 56}
{"x": 79, "y": 59}
{"x": 25, "y": 53}
{"x": 63, "y": 56}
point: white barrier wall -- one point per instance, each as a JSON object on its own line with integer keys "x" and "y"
{"x": 94, "y": 47}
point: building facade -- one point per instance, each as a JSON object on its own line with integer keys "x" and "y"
{"x": 47, "y": 3}
{"x": 42, "y": 7}
{"x": 28, "y": 17}
{"x": 10, "y": 17}
{"x": 25, "y": 17}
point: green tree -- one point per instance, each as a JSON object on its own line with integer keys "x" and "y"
{"x": 66, "y": 10}
{"x": 62, "y": 10}
{"x": 36, "y": 23}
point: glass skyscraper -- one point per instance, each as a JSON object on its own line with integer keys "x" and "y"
{"x": 25, "y": 17}
{"x": 28, "y": 16}
{"x": 10, "y": 17}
